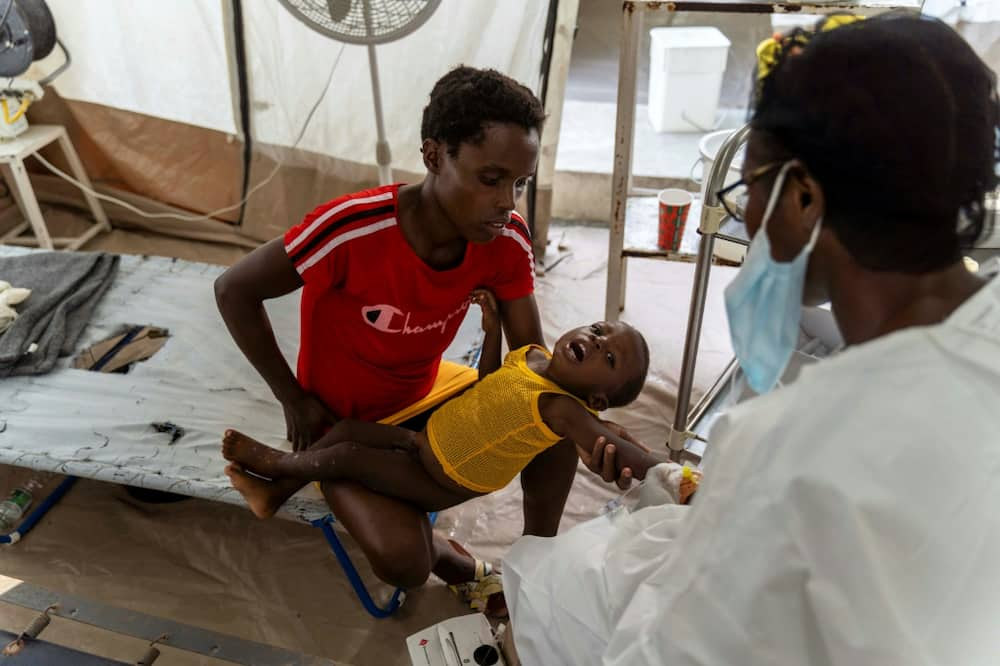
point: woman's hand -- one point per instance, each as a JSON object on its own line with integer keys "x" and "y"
{"x": 306, "y": 419}
{"x": 601, "y": 460}
{"x": 488, "y": 304}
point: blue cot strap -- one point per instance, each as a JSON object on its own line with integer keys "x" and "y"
{"x": 110, "y": 354}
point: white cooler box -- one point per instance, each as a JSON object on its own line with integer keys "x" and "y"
{"x": 685, "y": 77}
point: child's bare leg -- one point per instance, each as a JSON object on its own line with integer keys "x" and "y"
{"x": 271, "y": 495}
{"x": 277, "y": 464}
{"x": 266, "y": 461}
{"x": 393, "y": 471}
{"x": 397, "y": 473}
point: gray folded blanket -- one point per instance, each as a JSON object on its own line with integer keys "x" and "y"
{"x": 65, "y": 289}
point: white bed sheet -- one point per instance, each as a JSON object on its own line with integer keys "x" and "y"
{"x": 98, "y": 425}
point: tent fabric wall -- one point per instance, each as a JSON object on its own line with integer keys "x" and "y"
{"x": 285, "y": 82}
{"x": 337, "y": 151}
{"x": 150, "y": 104}
{"x": 189, "y": 167}
{"x": 162, "y": 59}
{"x": 304, "y": 181}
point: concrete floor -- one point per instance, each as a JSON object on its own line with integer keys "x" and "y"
{"x": 215, "y": 567}
{"x": 582, "y": 188}
{"x": 586, "y": 141}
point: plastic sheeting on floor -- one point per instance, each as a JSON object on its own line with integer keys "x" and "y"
{"x": 214, "y": 565}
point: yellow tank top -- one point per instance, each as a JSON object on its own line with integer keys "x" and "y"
{"x": 485, "y": 436}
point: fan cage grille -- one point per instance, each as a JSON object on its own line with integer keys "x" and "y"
{"x": 344, "y": 20}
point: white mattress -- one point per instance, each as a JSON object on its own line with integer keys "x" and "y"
{"x": 97, "y": 425}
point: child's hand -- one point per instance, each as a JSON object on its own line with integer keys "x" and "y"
{"x": 485, "y": 300}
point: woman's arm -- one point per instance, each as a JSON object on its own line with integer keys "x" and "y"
{"x": 240, "y": 292}
{"x": 521, "y": 322}
{"x": 601, "y": 460}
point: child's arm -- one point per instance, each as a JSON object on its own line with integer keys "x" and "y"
{"x": 489, "y": 360}
{"x": 567, "y": 418}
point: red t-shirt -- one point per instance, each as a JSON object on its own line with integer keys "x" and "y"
{"x": 375, "y": 318}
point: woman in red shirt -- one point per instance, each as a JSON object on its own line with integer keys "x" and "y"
{"x": 386, "y": 277}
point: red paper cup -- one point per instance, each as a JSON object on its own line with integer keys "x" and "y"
{"x": 674, "y": 207}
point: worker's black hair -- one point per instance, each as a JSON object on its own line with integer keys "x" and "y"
{"x": 898, "y": 120}
{"x": 465, "y": 100}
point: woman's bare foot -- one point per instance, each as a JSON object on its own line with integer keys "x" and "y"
{"x": 264, "y": 497}
{"x": 252, "y": 455}
{"x": 454, "y": 563}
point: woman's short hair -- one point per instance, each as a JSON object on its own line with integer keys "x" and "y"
{"x": 467, "y": 99}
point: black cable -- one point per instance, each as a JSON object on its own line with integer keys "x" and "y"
{"x": 550, "y": 36}
{"x": 243, "y": 84}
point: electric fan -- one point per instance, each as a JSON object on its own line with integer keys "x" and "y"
{"x": 27, "y": 34}
{"x": 367, "y": 23}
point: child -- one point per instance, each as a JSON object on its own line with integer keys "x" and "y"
{"x": 479, "y": 441}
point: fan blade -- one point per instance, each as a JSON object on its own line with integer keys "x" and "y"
{"x": 339, "y": 9}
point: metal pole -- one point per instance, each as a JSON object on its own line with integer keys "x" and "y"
{"x": 624, "y": 136}
{"x": 710, "y": 218}
{"x": 702, "y": 269}
{"x": 383, "y": 156}
{"x": 554, "y": 96}
{"x": 698, "y": 411}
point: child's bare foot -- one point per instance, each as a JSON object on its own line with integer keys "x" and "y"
{"x": 250, "y": 454}
{"x": 263, "y": 496}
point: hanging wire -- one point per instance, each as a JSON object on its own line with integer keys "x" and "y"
{"x": 207, "y": 216}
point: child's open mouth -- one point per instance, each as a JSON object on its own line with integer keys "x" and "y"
{"x": 578, "y": 351}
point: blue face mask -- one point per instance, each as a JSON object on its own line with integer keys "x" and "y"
{"x": 764, "y": 303}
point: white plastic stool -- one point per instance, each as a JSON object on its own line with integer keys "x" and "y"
{"x": 12, "y": 154}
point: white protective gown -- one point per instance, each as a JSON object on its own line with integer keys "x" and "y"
{"x": 850, "y": 518}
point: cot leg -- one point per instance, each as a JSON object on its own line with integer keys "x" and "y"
{"x": 326, "y": 525}
{"x": 39, "y": 511}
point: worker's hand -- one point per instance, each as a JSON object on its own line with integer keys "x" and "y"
{"x": 488, "y": 303}
{"x": 306, "y": 419}
{"x": 601, "y": 460}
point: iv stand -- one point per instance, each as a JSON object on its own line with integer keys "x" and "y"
{"x": 712, "y": 216}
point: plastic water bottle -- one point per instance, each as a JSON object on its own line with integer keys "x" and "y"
{"x": 12, "y": 508}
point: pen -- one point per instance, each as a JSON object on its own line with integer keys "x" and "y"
{"x": 454, "y": 645}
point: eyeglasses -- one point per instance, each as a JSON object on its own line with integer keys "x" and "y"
{"x": 734, "y": 197}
